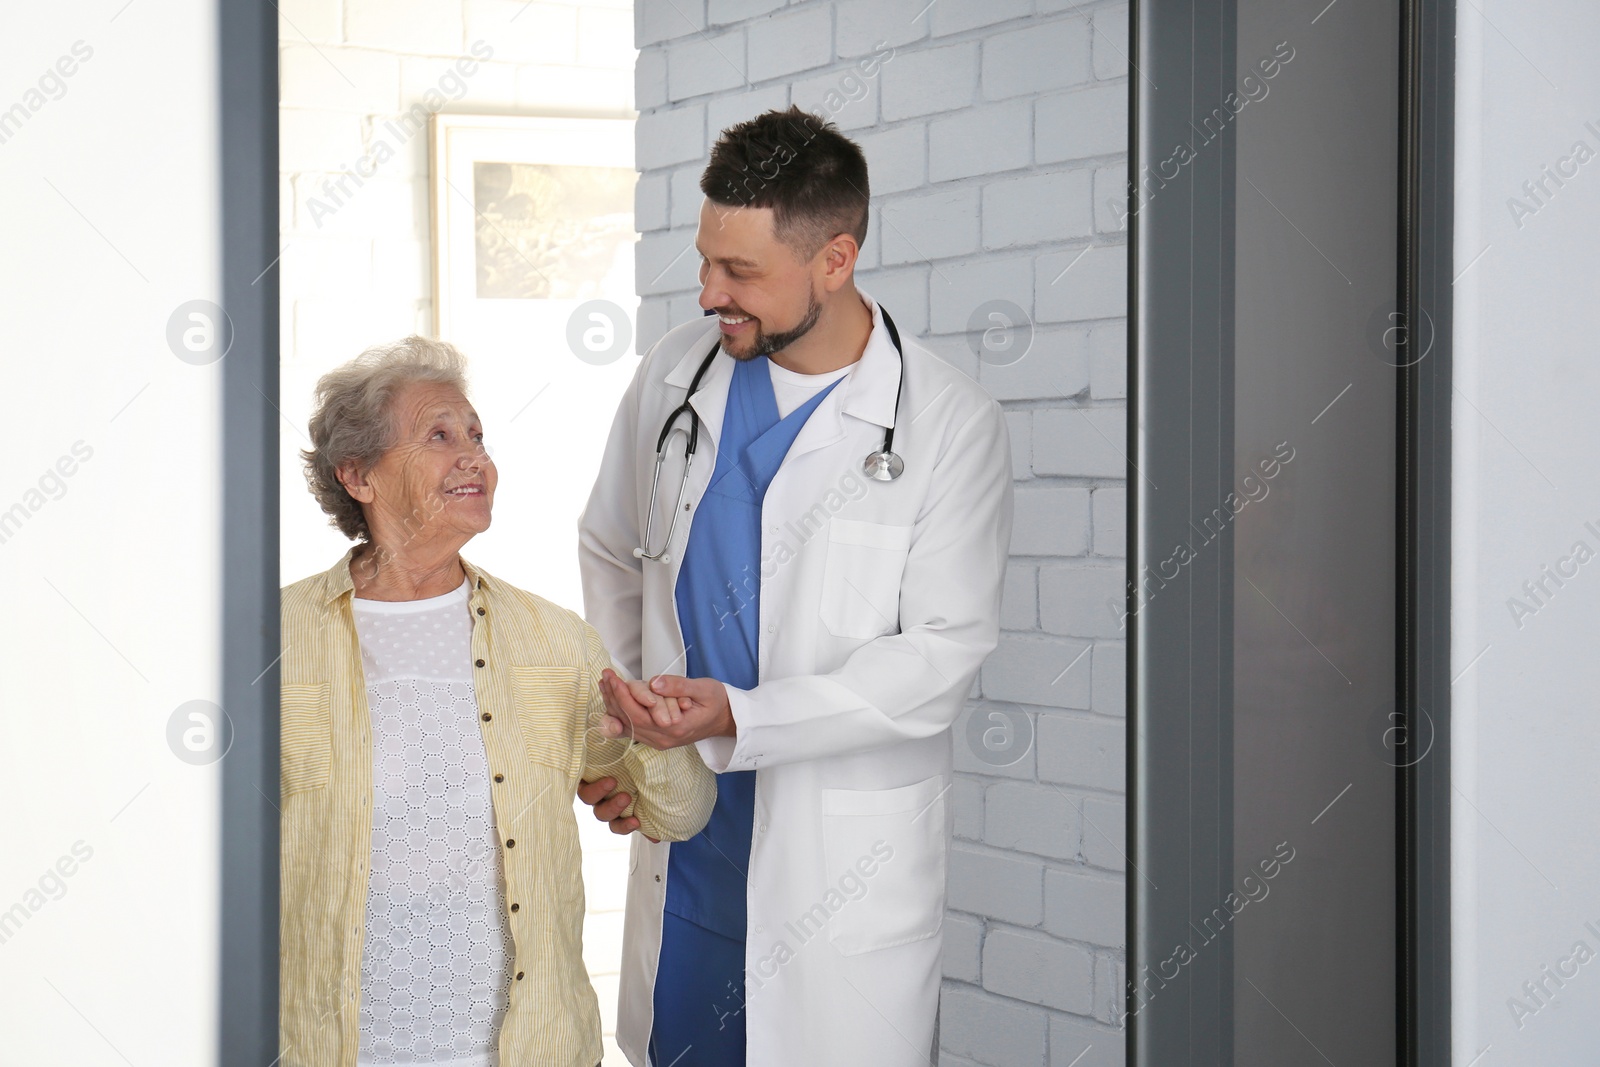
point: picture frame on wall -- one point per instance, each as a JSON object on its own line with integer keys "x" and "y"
{"x": 528, "y": 213}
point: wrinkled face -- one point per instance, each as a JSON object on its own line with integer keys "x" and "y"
{"x": 764, "y": 294}
{"x": 436, "y": 480}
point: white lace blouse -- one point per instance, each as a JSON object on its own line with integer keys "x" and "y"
{"x": 434, "y": 986}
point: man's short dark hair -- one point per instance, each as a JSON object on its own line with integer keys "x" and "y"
{"x": 798, "y": 164}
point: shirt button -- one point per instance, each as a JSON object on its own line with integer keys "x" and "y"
{"x": 480, "y": 663}
{"x": 363, "y": 802}
{"x": 516, "y": 907}
{"x": 511, "y": 842}
{"x": 487, "y": 716}
{"x": 519, "y": 976}
{"x": 499, "y": 777}
{"x": 480, "y": 611}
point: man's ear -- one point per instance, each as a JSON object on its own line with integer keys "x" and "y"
{"x": 839, "y": 258}
{"x": 354, "y": 480}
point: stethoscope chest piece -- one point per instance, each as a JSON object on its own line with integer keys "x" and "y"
{"x": 883, "y": 466}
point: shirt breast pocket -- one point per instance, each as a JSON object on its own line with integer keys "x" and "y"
{"x": 861, "y": 580}
{"x": 551, "y": 702}
{"x": 305, "y": 733}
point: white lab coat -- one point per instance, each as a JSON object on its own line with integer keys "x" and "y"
{"x": 879, "y": 602}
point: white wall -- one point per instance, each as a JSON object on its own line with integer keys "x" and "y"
{"x": 360, "y": 274}
{"x": 996, "y": 136}
{"x": 1526, "y": 707}
{"x": 109, "y": 563}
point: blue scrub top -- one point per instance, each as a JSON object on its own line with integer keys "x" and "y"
{"x": 719, "y": 608}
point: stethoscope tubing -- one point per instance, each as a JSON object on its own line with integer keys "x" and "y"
{"x": 883, "y": 460}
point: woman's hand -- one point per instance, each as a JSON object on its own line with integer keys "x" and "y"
{"x": 663, "y": 711}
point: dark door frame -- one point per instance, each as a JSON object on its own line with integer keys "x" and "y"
{"x": 248, "y": 83}
{"x": 1425, "y": 249}
{"x": 1180, "y": 296}
{"x": 1180, "y": 435}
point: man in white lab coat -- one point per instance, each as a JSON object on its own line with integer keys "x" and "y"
{"x": 809, "y": 609}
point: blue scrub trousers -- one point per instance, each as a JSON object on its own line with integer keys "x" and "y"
{"x": 699, "y": 1010}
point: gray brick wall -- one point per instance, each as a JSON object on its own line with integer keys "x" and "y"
{"x": 997, "y": 137}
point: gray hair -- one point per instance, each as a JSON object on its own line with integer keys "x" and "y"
{"x": 351, "y": 421}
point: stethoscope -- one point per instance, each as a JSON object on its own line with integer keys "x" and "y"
{"x": 882, "y": 466}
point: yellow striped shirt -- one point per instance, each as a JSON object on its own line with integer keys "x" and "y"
{"x": 536, "y": 678}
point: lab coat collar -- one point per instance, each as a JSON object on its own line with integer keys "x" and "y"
{"x": 874, "y": 386}
{"x": 869, "y": 394}
{"x": 681, "y": 375}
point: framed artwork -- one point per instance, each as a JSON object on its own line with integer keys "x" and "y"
{"x": 527, "y": 209}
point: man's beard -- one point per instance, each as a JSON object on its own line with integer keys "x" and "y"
{"x": 765, "y": 344}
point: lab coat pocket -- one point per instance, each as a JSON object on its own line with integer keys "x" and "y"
{"x": 885, "y": 854}
{"x": 550, "y": 704}
{"x": 305, "y": 733}
{"x": 861, "y": 583}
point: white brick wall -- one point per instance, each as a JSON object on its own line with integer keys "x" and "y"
{"x": 997, "y": 139}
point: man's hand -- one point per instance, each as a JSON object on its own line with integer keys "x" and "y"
{"x": 668, "y": 713}
{"x": 608, "y": 806}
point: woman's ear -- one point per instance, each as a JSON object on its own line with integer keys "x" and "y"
{"x": 354, "y": 480}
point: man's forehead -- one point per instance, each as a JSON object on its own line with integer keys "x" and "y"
{"x": 733, "y": 232}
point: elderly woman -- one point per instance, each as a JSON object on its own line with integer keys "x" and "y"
{"x": 436, "y": 722}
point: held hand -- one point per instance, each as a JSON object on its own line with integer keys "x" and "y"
{"x": 626, "y": 701}
{"x": 608, "y": 806}
{"x": 687, "y": 710}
